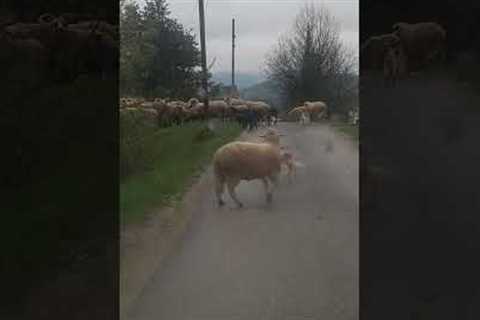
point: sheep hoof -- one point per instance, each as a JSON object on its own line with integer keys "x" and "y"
{"x": 240, "y": 205}
{"x": 221, "y": 203}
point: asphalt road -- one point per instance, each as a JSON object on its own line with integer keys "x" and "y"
{"x": 294, "y": 260}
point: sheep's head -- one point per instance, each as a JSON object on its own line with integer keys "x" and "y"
{"x": 192, "y": 102}
{"x": 159, "y": 100}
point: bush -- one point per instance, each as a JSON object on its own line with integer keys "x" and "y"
{"x": 136, "y": 143}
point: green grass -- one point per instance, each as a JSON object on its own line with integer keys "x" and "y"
{"x": 178, "y": 156}
{"x": 347, "y": 129}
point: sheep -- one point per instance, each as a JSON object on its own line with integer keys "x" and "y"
{"x": 160, "y": 100}
{"x": 234, "y": 101}
{"x": 260, "y": 108}
{"x": 423, "y": 42}
{"x": 217, "y": 109}
{"x": 297, "y": 111}
{"x": 316, "y": 109}
{"x": 178, "y": 103}
{"x": 240, "y": 107}
{"x": 238, "y": 161}
{"x": 198, "y": 111}
{"x": 173, "y": 113}
{"x": 127, "y": 102}
{"x": 192, "y": 102}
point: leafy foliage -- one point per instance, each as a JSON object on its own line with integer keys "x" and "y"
{"x": 158, "y": 56}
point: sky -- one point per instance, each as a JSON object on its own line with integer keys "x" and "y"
{"x": 259, "y": 24}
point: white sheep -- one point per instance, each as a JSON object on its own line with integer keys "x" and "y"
{"x": 238, "y": 161}
{"x": 316, "y": 109}
{"x": 297, "y": 112}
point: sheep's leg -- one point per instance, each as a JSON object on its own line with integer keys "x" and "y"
{"x": 268, "y": 190}
{"x": 219, "y": 188}
{"x": 231, "y": 184}
{"x": 273, "y": 179}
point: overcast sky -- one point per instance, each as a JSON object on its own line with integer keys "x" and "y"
{"x": 259, "y": 23}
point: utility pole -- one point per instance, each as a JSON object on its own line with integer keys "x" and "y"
{"x": 203, "y": 51}
{"x": 233, "y": 54}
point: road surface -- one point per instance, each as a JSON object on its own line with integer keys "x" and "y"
{"x": 295, "y": 260}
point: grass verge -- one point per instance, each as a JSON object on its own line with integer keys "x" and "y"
{"x": 347, "y": 129}
{"x": 177, "y": 154}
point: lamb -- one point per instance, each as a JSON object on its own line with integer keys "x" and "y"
{"x": 289, "y": 162}
{"x": 238, "y": 161}
{"x": 304, "y": 117}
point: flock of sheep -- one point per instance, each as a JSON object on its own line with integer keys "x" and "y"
{"x": 239, "y": 160}
{"x": 167, "y": 113}
{"x": 409, "y": 47}
{"x": 60, "y": 48}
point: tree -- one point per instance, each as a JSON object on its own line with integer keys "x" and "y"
{"x": 159, "y": 57}
{"x": 311, "y": 63}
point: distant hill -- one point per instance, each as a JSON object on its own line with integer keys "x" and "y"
{"x": 242, "y": 80}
